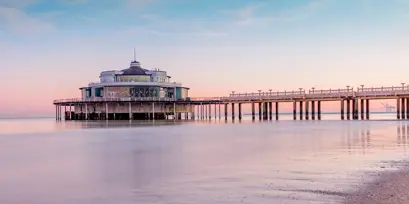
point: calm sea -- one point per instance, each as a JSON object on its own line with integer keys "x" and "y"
{"x": 47, "y": 162}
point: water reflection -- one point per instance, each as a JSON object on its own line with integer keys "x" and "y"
{"x": 206, "y": 161}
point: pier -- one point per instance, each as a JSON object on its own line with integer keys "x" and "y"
{"x": 354, "y": 105}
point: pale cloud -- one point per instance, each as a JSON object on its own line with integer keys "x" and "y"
{"x": 155, "y": 32}
{"x": 247, "y": 15}
{"x": 20, "y": 22}
{"x": 75, "y": 1}
{"x": 16, "y": 3}
{"x": 137, "y": 3}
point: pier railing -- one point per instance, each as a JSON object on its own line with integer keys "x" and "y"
{"x": 122, "y": 99}
{"x": 328, "y": 94}
{"x": 383, "y": 91}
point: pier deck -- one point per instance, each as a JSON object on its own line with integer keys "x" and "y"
{"x": 352, "y": 98}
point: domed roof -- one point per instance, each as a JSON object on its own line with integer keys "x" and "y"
{"x": 134, "y": 69}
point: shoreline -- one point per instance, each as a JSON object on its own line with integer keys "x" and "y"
{"x": 386, "y": 187}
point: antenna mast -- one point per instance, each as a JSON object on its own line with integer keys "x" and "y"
{"x": 134, "y": 54}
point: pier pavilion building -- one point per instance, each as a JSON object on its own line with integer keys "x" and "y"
{"x": 131, "y": 93}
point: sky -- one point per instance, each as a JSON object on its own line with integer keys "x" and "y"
{"x": 50, "y": 48}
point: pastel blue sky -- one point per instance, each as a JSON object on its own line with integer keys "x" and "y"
{"x": 49, "y": 48}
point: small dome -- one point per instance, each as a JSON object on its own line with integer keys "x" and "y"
{"x": 134, "y": 69}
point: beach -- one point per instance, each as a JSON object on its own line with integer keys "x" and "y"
{"x": 387, "y": 187}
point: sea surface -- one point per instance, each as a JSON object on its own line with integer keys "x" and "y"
{"x": 43, "y": 161}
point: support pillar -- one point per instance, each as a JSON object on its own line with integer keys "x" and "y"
{"x": 65, "y": 112}
{"x": 225, "y": 111}
{"x": 397, "y": 109}
{"x": 56, "y": 112}
{"x": 153, "y": 110}
{"x": 253, "y": 114}
{"x": 342, "y": 109}
{"x": 306, "y": 110}
{"x": 174, "y": 111}
{"x": 265, "y": 111}
{"x": 70, "y": 116}
{"x": 215, "y": 111}
{"x": 115, "y": 111}
{"x": 106, "y": 111}
{"x": 407, "y": 108}
{"x": 301, "y": 110}
{"x": 294, "y": 110}
{"x": 355, "y": 106}
{"x": 130, "y": 111}
{"x": 205, "y": 107}
{"x": 259, "y": 110}
{"x": 313, "y": 110}
{"x": 353, "y": 109}
{"x": 240, "y": 116}
{"x": 276, "y": 111}
{"x": 367, "y": 109}
{"x": 219, "y": 112}
{"x": 201, "y": 111}
{"x": 403, "y": 116}
{"x": 232, "y": 111}
{"x": 362, "y": 109}
{"x": 319, "y": 110}
{"x": 270, "y": 110}
{"x": 86, "y": 112}
{"x": 210, "y": 111}
{"x": 348, "y": 109}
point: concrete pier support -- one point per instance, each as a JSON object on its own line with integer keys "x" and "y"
{"x": 367, "y": 109}
{"x": 342, "y": 110}
{"x": 215, "y": 111}
{"x": 348, "y": 109}
{"x": 70, "y": 115}
{"x": 174, "y": 111}
{"x": 205, "y": 109}
{"x": 240, "y": 116}
{"x": 270, "y": 110}
{"x": 86, "y": 111}
{"x": 362, "y": 109}
{"x": 306, "y": 110}
{"x": 353, "y": 109}
{"x": 312, "y": 110}
{"x": 294, "y": 110}
{"x": 259, "y": 110}
{"x": 106, "y": 111}
{"x": 253, "y": 110}
{"x": 403, "y": 106}
{"x": 225, "y": 111}
{"x": 265, "y": 111}
{"x": 407, "y": 108}
{"x": 398, "y": 108}
{"x": 193, "y": 114}
{"x": 153, "y": 111}
{"x": 220, "y": 113}
{"x": 356, "y": 109}
{"x": 210, "y": 111}
{"x": 56, "y": 112}
{"x": 301, "y": 110}
{"x": 232, "y": 111}
{"x": 276, "y": 111}
{"x": 130, "y": 110}
{"x": 319, "y": 110}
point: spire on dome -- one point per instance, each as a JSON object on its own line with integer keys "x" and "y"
{"x": 135, "y": 63}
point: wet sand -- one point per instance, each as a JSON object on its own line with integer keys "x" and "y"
{"x": 388, "y": 187}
